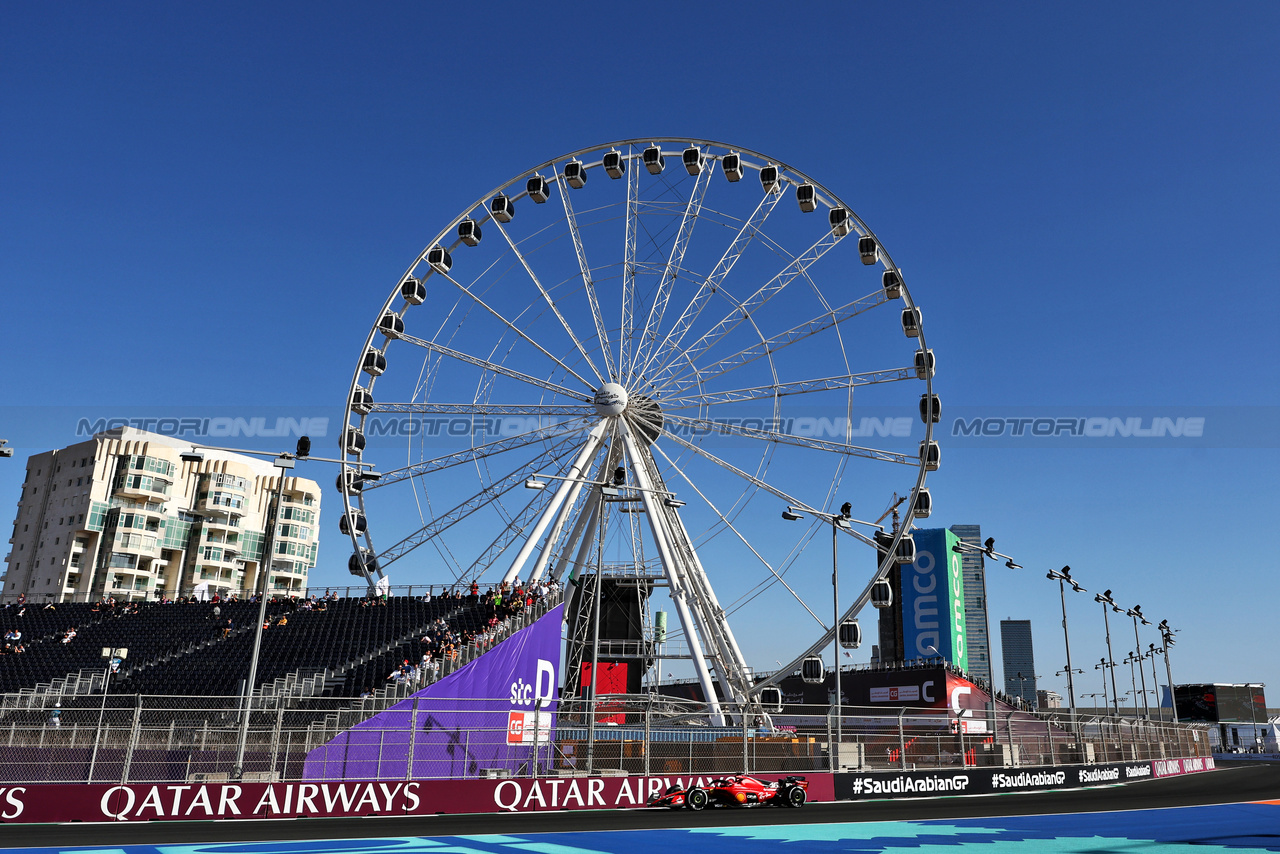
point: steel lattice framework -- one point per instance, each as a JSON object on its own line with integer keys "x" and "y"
{"x": 621, "y": 329}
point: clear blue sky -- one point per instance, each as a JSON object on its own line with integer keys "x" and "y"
{"x": 203, "y": 204}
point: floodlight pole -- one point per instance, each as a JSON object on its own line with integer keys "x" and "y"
{"x": 1166, "y": 637}
{"x": 1066, "y": 638}
{"x": 1106, "y": 621}
{"x": 1135, "y": 613}
{"x": 835, "y": 646}
{"x": 283, "y": 462}
{"x": 596, "y": 598}
{"x": 108, "y": 653}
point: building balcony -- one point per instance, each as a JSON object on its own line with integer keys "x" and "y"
{"x": 221, "y": 503}
{"x": 142, "y": 486}
{"x": 141, "y": 544}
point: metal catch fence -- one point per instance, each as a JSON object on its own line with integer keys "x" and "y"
{"x": 155, "y": 739}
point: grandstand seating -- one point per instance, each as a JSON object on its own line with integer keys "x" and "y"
{"x": 179, "y": 648}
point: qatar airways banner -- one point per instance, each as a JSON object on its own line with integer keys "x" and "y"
{"x": 64, "y": 802}
{"x": 492, "y": 714}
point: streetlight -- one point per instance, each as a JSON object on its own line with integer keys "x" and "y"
{"x": 1102, "y": 665}
{"x": 112, "y": 656}
{"x": 1022, "y": 689}
{"x": 1063, "y": 577}
{"x": 1107, "y": 601}
{"x": 1136, "y": 613}
{"x": 842, "y": 520}
{"x": 1131, "y": 659}
{"x": 1095, "y": 695}
{"x": 1155, "y": 679}
{"x": 284, "y": 462}
{"x": 1167, "y": 640}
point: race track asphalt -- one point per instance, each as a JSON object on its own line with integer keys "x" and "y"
{"x": 1255, "y": 782}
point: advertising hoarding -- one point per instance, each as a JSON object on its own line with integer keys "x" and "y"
{"x": 933, "y": 600}
{"x": 465, "y": 725}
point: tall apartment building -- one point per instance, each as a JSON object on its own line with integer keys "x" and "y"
{"x": 1019, "y": 660}
{"x": 123, "y": 515}
{"x": 977, "y": 625}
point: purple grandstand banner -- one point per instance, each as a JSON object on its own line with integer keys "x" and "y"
{"x": 495, "y": 713}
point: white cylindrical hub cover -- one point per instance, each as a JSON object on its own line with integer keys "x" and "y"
{"x": 610, "y": 399}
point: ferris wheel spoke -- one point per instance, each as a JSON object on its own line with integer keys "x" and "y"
{"x": 521, "y": 440}
{"x": 725, "y": 520}
{"x": 588, "y": 283}
{"x": 442, "y": 523}
{"x": 551, "y": 304}
{"x": 487, "y": 365}
{"x": 757, "y": 482}
{"x": 675, "y": 261}
{"x": 795, "y": 269}
{"x": 726, "y": 428}
{"x": 629, "y": 263}
{"x": 518, "y": 331}
{"x": 481, "y": 408}
{"x": 771, "y": 345}
{"x": 776, "y": 390}
{"x": 513, "y": 530}
{"x": 675, "y": 336}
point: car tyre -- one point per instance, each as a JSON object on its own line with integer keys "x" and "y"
{"x": 696, "y": 799}
{"x": 795, "y": 797}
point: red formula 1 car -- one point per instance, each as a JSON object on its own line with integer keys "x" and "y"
{"x": 737, "y": 791}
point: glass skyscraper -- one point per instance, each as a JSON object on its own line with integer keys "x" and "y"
{"x": 1019, "y": 660}
{"x": 977, "y": 631}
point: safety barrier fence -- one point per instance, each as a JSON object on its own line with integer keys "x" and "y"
{"x": 123, "y": 739}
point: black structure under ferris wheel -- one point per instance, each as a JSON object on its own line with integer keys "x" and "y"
{"x": 645, "y": 349}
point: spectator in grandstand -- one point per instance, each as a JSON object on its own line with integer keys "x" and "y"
{"x": 69, "y": 635}
{"x": 55, "y": 715}
{"x": 367, "y": 692}
{"x": 13, "y": 635}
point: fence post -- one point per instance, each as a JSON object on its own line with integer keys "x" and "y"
{"x": 134, "y": 732}
{"x": 648, "y": 735}
{"x": 275, "y": 737}
{"x": 413, "y": 735}
{"x": 537, "y": 730}
{"x": 831, "y": 748}
{"x": 746, "y": 762}
{"x": 902, "y": 741}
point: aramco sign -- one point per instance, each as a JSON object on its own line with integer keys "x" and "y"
{"x": 933, "y": 620}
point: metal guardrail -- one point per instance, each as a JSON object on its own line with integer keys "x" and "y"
{"x": 154, "y": 739}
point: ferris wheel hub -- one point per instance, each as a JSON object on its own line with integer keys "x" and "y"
{"x": 610, "y": 399}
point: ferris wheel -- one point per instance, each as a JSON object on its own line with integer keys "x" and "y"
{"x": 637, "y": 354}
